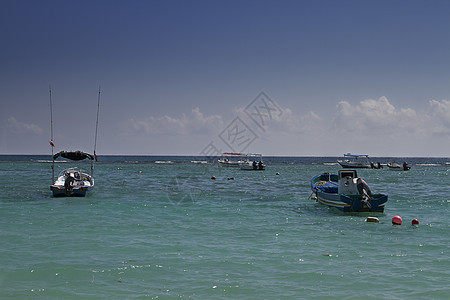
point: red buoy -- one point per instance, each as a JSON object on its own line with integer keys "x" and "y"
{"x": 397, "y": 220}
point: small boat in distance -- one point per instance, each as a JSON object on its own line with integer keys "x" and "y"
{"x": 73, "y": 182}
{"x": 252, "y": 161}
{"x": 353, "y": 161}
{"x": 398, "y": 167}
{"x": 346, "y": 192}
{"x": 230, "y": 159}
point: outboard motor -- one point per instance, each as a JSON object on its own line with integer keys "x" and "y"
{"x": 68, "y": 185}
{"x": 363, "y": 188}
{"x": 365, "y": 193}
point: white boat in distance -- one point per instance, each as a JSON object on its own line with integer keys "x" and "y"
{"x": 398, "y": 167}
{"x": 352, "y": 161}
{"x": 252, "y": 161}
{"x": 231, "y": 159}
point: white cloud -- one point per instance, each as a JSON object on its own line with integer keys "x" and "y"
{"x": 287, "y": 122}
{"x": 379, "y": 118}
{"x": 376, "y": 118}
{"x": 439, "y": 116}
{"x": 371, "y": 126}
{"x": 291, "y": 123}
{"x": 195, "y": 123}
{"x": 16, "y": 127}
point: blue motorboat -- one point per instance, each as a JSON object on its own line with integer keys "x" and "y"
{"x": 346, "y": 192}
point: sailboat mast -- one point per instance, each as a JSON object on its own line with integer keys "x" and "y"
{"x": 52, "y": 145}
{"x": 96, "y": 124}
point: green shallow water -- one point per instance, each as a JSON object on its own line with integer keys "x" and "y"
{"x": 171, "y": 232}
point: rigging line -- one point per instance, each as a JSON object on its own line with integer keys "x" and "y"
{"x": 96, "y": 124}
{"x": 51, "y": 113}
{"x": 52, "y": 145}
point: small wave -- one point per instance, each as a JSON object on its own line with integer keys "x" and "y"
{"x": 330, "y": 164}
{"x": 163, "y": 162}
{"x": 428, "y": 165}
{"x": 199, "y": 161}
{"x": 56, "y": 161}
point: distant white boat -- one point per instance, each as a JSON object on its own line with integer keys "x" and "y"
{"x": 352, "y": 161}
{"x": 231, "y": 159}
{"x": 398, "y": 167}
{"x": 252, "y": 161}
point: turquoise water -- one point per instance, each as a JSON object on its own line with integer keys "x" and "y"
{"x": 167, "y": 231}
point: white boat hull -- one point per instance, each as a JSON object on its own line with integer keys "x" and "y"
{"x": 72, "y": 183}
{"x": 252, "y": 166}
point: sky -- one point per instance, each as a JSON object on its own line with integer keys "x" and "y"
{"x": 281, "y": 78}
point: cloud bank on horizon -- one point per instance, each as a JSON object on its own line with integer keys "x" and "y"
{"x": 370, "y": 126}
{"x": 373, "y": 126}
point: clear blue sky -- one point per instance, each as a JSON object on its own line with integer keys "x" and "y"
{"x": 347, "y": 76}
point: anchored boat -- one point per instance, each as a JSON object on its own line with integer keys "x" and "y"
{"x": 252, "y": 161}
{"x": 73, "y": 181}
{"x": 353, "y": 161}
{"x": 346, "y": 192}
{"x": 230, "y": 159}
{"x": 398, "y": 167}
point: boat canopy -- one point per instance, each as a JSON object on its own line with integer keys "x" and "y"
{"x": 355, "y": 155}
{"x": 73, "y": 155}
{"x": 233, "y": 153}
{"x": 242, "y": 154}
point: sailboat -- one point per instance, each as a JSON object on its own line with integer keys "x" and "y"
{"x": 73, "y": 181}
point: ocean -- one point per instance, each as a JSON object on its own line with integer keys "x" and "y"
{"x": 161, "y": 228}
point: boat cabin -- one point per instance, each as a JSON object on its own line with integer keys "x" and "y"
{"x": 348, "y": 182}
